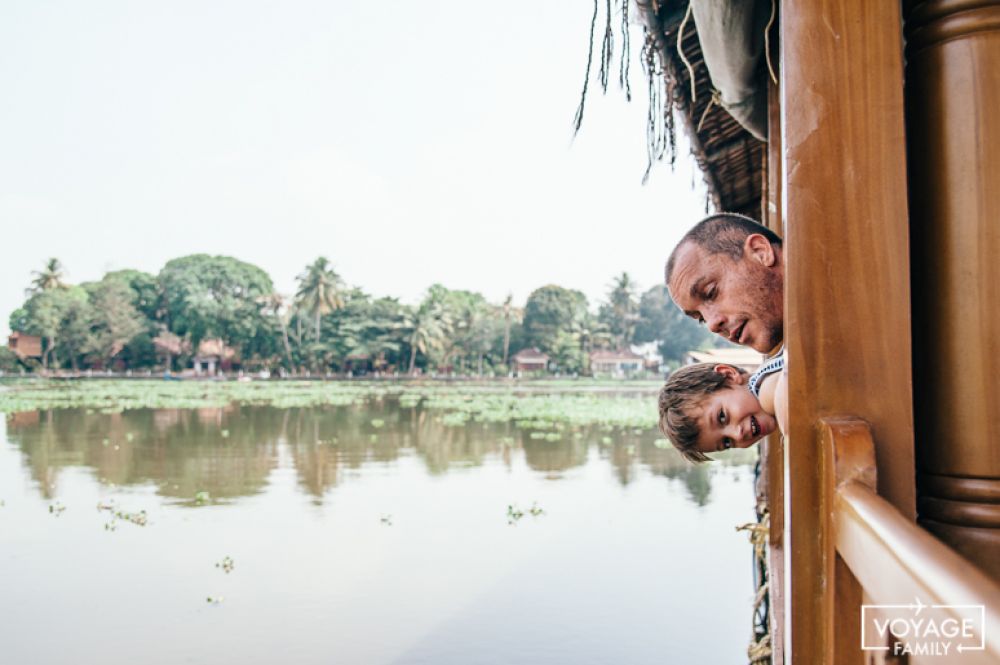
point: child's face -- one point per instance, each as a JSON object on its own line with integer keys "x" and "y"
{"x": 732, "y": 418}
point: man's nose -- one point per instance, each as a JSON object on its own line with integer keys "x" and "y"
{"x": 716, "y": 323}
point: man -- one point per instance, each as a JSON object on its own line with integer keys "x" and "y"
{"x": 728, "y": 273}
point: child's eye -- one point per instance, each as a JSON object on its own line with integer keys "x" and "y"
{"x": 727, "y": 443}
{"x": 722, "y": 417}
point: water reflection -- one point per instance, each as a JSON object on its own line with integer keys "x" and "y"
{"x": 321, "y": 577}
{"x": 230, "y": 452}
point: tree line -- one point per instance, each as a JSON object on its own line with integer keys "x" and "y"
{"x": 136, "y": 320}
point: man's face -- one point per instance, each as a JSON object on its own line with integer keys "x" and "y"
{"x": 741, "y": 300}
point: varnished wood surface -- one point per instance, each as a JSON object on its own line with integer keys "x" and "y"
{"x": 774, "y": 455}
{"x": 953, "y": 116}
{"x": 847, "y": 321}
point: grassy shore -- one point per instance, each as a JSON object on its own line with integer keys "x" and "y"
{"x": 576, "y": 402}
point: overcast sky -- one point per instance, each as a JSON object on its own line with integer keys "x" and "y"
{"x": 408, "y": 142}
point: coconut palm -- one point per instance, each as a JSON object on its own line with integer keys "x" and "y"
{"x": 275, "y": 304}
{"x": 507, "y": 304}
{"x": 50, "y": 277}
{"x": 428, "y": 329}
{"x": 320, "y": 291}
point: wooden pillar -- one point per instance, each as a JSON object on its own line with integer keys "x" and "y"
{"x": 772, "y": 451}
{"x": 953, "y": 127}
{"x": 847, "y": 303}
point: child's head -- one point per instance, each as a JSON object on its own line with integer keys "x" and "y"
{"x": 707, "y": 407}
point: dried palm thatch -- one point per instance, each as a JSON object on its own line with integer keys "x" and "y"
{"x": 730, "y": 157}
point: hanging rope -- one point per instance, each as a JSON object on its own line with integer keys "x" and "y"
{"x": 759, "y": 650}
{"x": 716, "y": 100}
{"x": 767, "y": 42}
{"x": 680, "y": 52}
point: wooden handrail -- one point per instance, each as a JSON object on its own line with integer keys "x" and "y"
{"x": 894, "y": 560}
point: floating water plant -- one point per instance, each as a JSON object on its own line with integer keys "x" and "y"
{"x": 202, "y": 498}
{"x": 514, "y": 514}
{"x": 386, "y": 520}
{"x": 56, "y": 508}
{"x": 227, "y": 564}
{"x": 138, "y": 518}
{"x": 377, "y": 423}
{"x": 215, "y": 600}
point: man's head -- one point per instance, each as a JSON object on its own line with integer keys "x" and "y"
{"x": 728, "y": 273}
{"x": 706, "y": 408}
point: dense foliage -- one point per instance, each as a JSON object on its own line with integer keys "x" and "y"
{"x": 216, "y": 306}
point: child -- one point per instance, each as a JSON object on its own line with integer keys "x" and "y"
{"x": 708, "y": 407}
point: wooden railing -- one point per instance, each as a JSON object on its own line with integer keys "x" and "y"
{"x": 883, "y": 558}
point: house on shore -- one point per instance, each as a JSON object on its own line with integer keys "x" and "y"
{"x": 213, "y": 357}
{"x": 744, "y": 358}
{"x": 529, "y": 360}
{"x": 25, "y": 346}
{"x": 617, "y": 363}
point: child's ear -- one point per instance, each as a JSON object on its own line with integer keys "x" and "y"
{"x": 732, "y": 374}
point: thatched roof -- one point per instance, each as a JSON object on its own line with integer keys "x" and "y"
{"x": 731, "y": 158}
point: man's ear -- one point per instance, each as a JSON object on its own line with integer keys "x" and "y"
{"x": 758, "y": 248}
{"x": 732, "y": 374}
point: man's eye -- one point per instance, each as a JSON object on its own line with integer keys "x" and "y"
{"x": 711, "y": 293}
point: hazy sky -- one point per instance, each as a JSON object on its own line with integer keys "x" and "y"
{"x": 408, "y": 142}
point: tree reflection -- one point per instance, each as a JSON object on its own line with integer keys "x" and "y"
{"x": 230, "y": 452}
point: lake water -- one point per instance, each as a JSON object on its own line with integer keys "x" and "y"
{"x": 372, "y": 533}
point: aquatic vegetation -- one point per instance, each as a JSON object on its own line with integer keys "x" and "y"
{"x": 56, "y": 508}
{"x": 114, "y": 396}
{"x": 202, "y": 498}
{"x": 215, "y": 600}
{"x": 140, "y": 518}
{"x": 386, "y": 520}
{"x": 227, "y": 564}
{"x": 515, "y": 514}
{"x": 559, "y": 407}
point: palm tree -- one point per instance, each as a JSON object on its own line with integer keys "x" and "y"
{"x": 319, "y": 291}
{"x": 50, "y": 277}
{"x": 507, "y": 303}
{"x": 624, "y": 308}
{"x": 274, "y": 303}
{"x": 428, "y": 329}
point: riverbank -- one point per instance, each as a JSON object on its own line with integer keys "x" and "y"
{"x": 544, "y": 402}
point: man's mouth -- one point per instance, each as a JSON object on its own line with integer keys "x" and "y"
{"x": 754, "y": 426}
{"x": 738, "y": 333}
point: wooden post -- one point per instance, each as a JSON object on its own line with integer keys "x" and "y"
{"x": 772, "y": 451}
{"x": 847, "y": 303}
{"x": 953, "y": 99}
